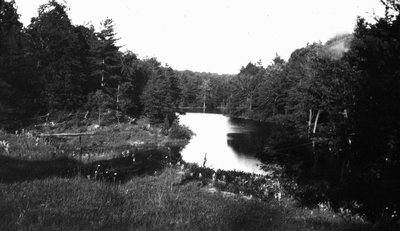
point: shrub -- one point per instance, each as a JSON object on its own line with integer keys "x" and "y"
{"x": 178, "y": 131}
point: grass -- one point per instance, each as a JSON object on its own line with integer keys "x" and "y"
{"x": 108, "y": 142}
{"x": 149, "y": 203}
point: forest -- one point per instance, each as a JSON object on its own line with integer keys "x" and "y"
{"x": 53, "y": 66}
{"x": 344, "y": 92}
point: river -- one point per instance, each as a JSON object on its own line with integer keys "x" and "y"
{"x": 224, "y": 143}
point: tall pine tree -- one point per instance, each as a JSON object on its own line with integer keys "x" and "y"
{"x": 55, "y": 45}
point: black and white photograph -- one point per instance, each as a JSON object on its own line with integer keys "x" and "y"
{"x": 200, "y": 115}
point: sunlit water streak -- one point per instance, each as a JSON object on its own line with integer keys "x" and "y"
{"x": 211, "y": 142}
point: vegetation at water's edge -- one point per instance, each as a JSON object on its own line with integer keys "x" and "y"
{"x": 150, "y": 203}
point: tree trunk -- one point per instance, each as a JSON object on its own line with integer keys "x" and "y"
{"x": 118, "y": 94}
{"x": 274, "y": 107}
{"x": 99, "y": 117}
{"x": 316, "y": 122}
{"x": 102, "y": 76}
{"x": 310, "y": 122}
{"x": 118, "y": 103}
{"x": 204, "y": 104}
{"x": 250, "y": 105}
{"x": 249, "y": 102}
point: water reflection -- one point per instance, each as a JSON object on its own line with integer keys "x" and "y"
{"x": 227, "y": 144}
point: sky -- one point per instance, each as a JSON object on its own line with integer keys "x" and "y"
{"x": 218, "y": 36}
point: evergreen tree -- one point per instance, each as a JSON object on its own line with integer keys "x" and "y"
{"x": 190, "y": 86}
{"x": 272, "y": 91}
{"x": 55, "y": 46}
{"x": 161, "y": 95}
{"x": 134, "y": 79}
{"x": 105, "y": 62}
{"x": 244, "y": 90}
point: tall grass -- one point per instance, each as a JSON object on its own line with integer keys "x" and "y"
{"x": 149, "y": 203}
{"x": 26, "y": 146}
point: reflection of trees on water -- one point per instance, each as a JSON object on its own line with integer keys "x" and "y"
{"x": 245, "y": 143}
{"x": 252, "y": 137}
{"x": 338, "y": 178}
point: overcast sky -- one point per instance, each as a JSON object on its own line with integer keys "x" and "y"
{"x": 216, "y": 36}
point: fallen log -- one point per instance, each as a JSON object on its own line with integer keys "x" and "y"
{"x": 67, "y": 134}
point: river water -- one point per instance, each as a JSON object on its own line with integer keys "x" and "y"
{"x": 224, "y": 143}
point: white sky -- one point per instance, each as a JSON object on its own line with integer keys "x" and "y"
{"x": 216, "y": 36}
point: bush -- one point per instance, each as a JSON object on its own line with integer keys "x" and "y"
{"x": 178, "y": 131}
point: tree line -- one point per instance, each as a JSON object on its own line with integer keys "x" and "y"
{"x": 204, "y": 90}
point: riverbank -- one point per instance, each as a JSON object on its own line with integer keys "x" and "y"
{"x": 161, "y": 202}
{"x": 96, "y": 142}
{"x": 112, "y": 153}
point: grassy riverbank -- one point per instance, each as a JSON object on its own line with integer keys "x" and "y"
{"x": 157, "y": 202}
{"x": 105, "y": 142}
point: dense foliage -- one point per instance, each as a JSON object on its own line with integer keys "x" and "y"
{"x": 203, "y": 90}
{"x": 53, "y": 65}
